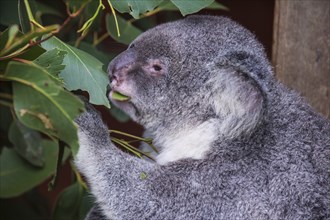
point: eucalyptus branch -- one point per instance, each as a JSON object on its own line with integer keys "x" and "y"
{"x": 89, "y": 22}
{"x": 35, "y": 23}
{"x": 97, "y": 41}
{"x": 129, "y": 135}
{"x": 115, "y": 17}
{"x": 29, "y": 12}
{"x": 129, "y": 147}
{"x": 6, "y": 104}
{"x": 146, "y": 140}
{"x": 125, "y": 145}
{"x": 6, "y": 96}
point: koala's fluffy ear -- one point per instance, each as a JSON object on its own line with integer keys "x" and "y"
{"x": 237, "y": 98}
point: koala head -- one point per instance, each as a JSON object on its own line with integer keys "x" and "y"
{"x": 184, "y": 73}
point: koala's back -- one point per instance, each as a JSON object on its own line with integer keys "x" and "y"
{"x": 281, "y": 172}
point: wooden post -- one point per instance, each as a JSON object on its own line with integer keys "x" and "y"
{"x": 301, "y": 49}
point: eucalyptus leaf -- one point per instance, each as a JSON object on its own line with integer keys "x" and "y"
{"x": 43, "y": 8}
{"x": 41, "y": 104}
{"x": 52, "y": 61}
{"x": 12, "y": 33}
{"x": 217, "y": 6}
{"x": 27, "y": 143}
{"x": 94, "y": 51}
{"x": 9, "y": 12}
{"x": 82, "y": 71}
{"x": 69, "y": 202}
{"x": 17, "y": 176}
{"x": 135, "y": 7}
{"x": 169, "y": 6}
{"x": 188, "y": 7}
{"x": 119, "y": 97}
{"x": 128, "y": 31}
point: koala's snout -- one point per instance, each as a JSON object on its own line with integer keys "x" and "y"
{"x": 119, "y": 67}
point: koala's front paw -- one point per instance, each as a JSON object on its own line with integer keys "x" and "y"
{"x": 90, "y": 121}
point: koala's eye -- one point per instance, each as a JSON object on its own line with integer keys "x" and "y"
{"x": 131, "y": 46}
{"x": 157, "y": 67}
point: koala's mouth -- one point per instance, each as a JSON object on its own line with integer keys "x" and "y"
{"x": 124, "y": 103}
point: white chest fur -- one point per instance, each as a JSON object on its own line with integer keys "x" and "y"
{"x": 189, "y": 143}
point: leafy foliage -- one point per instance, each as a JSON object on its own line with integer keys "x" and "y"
{"x": 40, "y": 73}
{"x": 82, "y": 71}
{"x": 17, "y": 176}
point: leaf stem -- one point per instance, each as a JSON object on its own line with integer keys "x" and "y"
{"x": 7, "y": 104}
{"x": 126, "y": 146}
{"x": 146, "y": 140}
{"x": 128, "y": 135}
{"x": 90, "y": 21}
{"x": 129, "y": 147}
{"x": 29, "y": 12}
{"x": 114, "y": 15}
{"x": 6, "y": 96}
{"x": 100, "y": 39}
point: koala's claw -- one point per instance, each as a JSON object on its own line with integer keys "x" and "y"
{"x": 90, "y": 119}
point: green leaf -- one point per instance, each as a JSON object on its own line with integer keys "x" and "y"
{"x": 86, "y": 205}
{"x": 169, "y": 6}
{"x": 12, "y": 33}
{"x": 95, "y": 52}
{"x": 42, "y": 105}
{"x": 143, "y": 176}
{"x": 17, "y": 176}
{"x": 217, "y": 6}
{"x": 69, "y": 202}
{"x": 52, "y": 61}
{"x": 120, "y": 97}
{"x": 82, "y": 71}
{"x": 29, "y": 54}
{"x": 43, "y": 8}
{"x": 128, "y": 31}
{"x": 27, "y": 143}
{"x": 189, "y": 7}
{"x": 9, "y": 12}
{"x": 135, "y": 7}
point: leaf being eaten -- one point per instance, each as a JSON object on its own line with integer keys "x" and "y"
{"x": 82, "y": 72}
{"x": 52, "y": 61}
{"x": 120, "y": 97}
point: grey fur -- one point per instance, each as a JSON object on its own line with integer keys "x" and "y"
{"x": 270, "y": 158}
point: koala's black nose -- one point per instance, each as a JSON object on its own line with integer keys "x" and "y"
{"x": 120, "y": 65}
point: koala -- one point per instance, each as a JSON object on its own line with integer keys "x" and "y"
{"x": 234, "y": 142}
